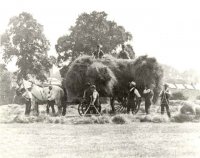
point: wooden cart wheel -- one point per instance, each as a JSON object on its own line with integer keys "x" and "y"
{"x": 82, "y": 107}
{"x": 122, "y": 106}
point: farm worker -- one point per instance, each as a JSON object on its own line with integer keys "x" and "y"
{"x": 148, "y": 95}
{"x": 98, "y": 54}
{"x": 94, "y": 99}
{"x": 165, "y": 94}
{"x": 28, "y": 98}
{"x": 87, "y": 93}
{"x": 51, "y": 100}
{"x": 133, "y": 92}
{"x": 123, "y": 54}
{"x": 95, "y": 96}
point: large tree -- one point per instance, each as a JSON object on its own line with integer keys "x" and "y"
{"x": 25, "y": 40}
{"x": 5, "y": 85}
{"x": 90, "y": 30}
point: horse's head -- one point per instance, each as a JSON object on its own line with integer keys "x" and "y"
{"x": 22, "y": 86}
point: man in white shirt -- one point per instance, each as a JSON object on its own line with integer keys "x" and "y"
{"x": 28, "y": 98}
{"x": 95, "y": 96}
{"x": 95, "y": 100}
{"x": 51, "y": 100}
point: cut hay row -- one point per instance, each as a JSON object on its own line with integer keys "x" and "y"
{"x": 181, "y": 112}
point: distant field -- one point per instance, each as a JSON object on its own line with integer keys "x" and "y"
{"x": 93, "y": 141}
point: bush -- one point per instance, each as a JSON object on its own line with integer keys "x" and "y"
{"x": 197, "y": 109}
{"x": 198, "y": 97}
{"x": 178, "y": 96}
{"x": 183, "y": 118}
{"x": 188, "y": 108}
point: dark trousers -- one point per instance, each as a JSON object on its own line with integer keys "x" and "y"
{"x": 163, "y": 106}
{"x": 50, "y": 104}
{"x": 147, "y": 106}
{"x": 131, "y": 105}
{"x": 28, "y": 107}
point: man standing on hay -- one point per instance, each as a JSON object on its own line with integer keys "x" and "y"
{"x": 98, "y": 54}
{"x": 123, "y": 54}
{"x": 165, "y": 94}
{"x": 133, "y": 92}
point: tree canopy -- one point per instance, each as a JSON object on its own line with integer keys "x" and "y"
{"x": 25, "y": 40}
{"x": 90, "y": 30}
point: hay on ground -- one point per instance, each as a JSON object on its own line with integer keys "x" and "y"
{"x": 160, "y": 119}
{"x": 119, "y": 119}
{"x": 146, "y": 118}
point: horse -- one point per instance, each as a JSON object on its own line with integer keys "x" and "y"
{"x": 40, "y": 96}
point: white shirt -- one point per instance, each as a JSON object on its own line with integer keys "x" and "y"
{"x": 136, "y": 92}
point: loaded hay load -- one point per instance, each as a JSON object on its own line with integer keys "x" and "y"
{"x": 112, "y": 76}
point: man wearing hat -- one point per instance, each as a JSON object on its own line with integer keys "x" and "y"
{"x": 98, "y": 54}
{"x": 95, "y": 96}
{"x": 133, "y": 92}
{"x": 165, "y": 94}
{"x": 51, "y": 100}
{"x": 28, "y": 98}
{"x": 148, "y": 96}
{"x": 123, "y": 54}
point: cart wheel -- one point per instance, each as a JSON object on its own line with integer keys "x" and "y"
{"x": 82, "y": 107}
{"x": 99, "y": 110}
{"x": 122, "y": 107}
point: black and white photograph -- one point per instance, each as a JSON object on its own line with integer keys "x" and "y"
{"x": 99, "y": 79}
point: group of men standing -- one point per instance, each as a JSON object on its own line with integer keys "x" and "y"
{"x": 28, "y": 96}
{"x": 91, "y": 97}
{"x": 148, "y": 96}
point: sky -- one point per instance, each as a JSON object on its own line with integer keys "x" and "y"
{"x": 166, "y": 29}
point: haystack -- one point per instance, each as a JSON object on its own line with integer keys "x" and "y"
{"x": 112, "y": 76}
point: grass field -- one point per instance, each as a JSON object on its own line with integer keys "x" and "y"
{"x": 108, "y": 140}
{"x": 85, "y": 137}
